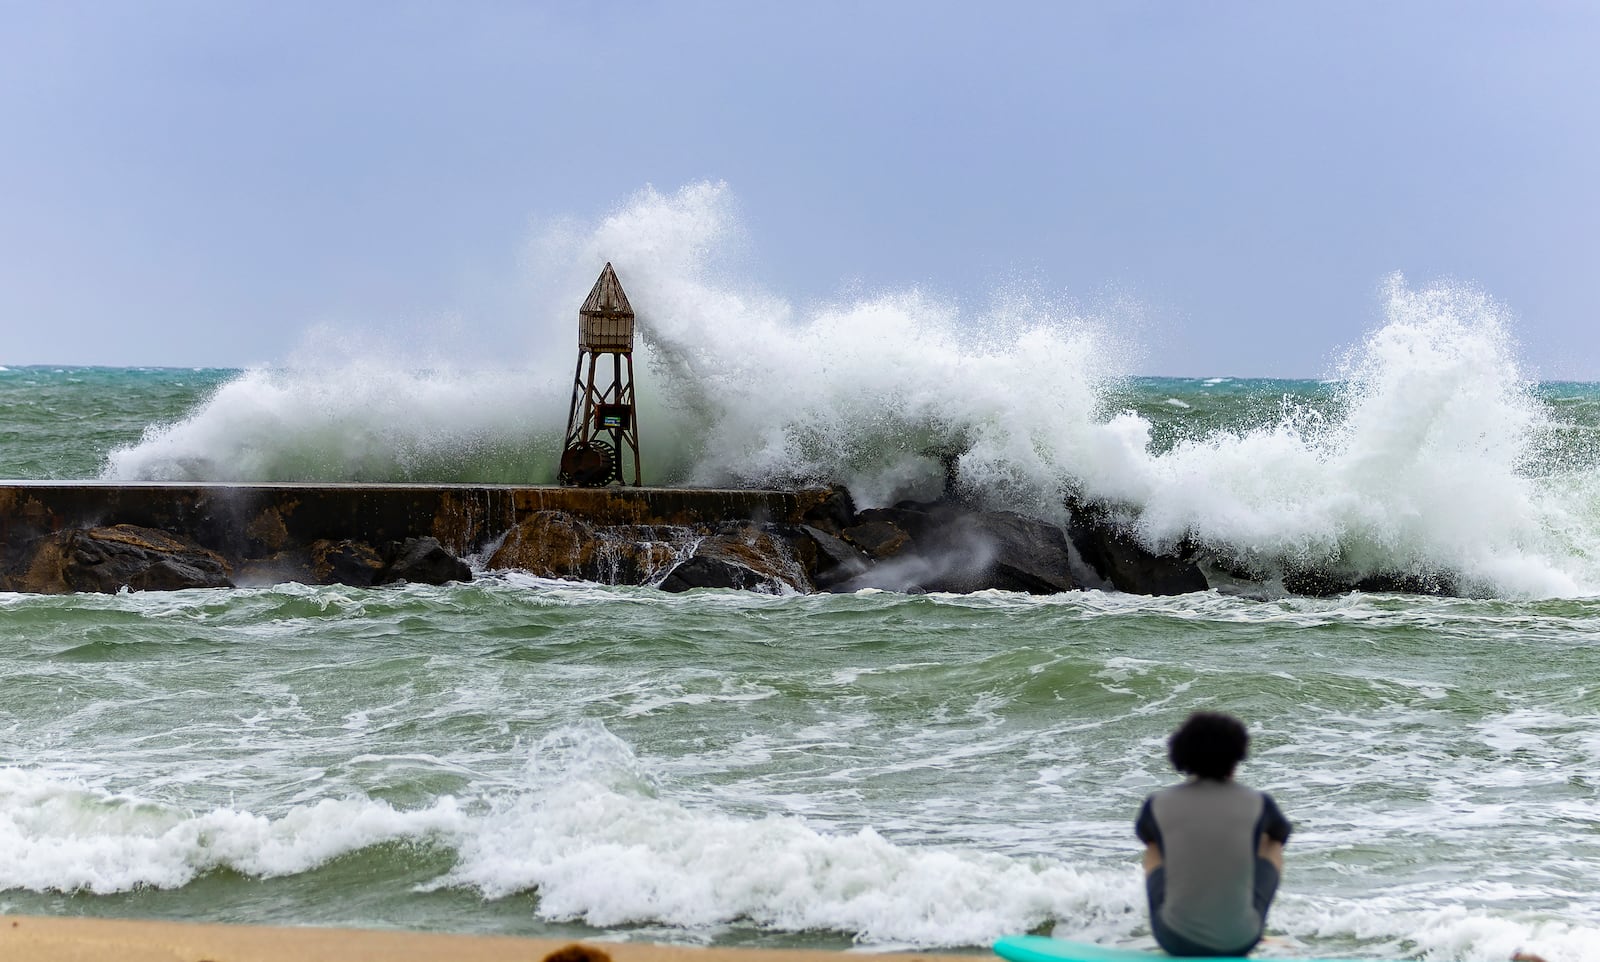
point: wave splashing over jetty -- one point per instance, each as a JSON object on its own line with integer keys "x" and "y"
{"x": 1431, "y": 457}
{"x": 1423, "y": 464}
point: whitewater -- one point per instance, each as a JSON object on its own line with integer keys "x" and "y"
{"x": 872, "y": 770}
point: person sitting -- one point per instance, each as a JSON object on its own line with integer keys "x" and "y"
{"x": 1213, "y": 847}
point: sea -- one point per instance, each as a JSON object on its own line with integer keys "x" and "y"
{"x": 871, "y": 771}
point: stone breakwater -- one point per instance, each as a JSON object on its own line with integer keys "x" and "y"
{"x": 58, "y": 537}
{"x": 61, "y": 537}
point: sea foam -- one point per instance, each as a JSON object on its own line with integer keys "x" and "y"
{"x": 592, "y": 832}
{"x": 590, "y": 839}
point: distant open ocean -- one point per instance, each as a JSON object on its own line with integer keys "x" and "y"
{"x": 875, "y": 770}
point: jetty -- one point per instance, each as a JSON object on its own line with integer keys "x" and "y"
{"x": 271, "y": 532}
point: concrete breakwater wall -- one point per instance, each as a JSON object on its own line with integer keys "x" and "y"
{"x": 249, "y": 525}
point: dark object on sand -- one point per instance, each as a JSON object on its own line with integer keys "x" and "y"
{"x": 578, "y": 952}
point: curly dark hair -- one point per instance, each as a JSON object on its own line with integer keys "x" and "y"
{"x": 1209, "y": 744}
{"x": 578, "y": 952}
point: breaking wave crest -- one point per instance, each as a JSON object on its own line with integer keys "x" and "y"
{"x": 590, "y": 834}
{"x": 589, "y": 837}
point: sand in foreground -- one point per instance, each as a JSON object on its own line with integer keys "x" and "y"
{"x": 36, "y": 939}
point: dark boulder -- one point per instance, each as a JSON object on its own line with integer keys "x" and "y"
{"x": 553, "y": 544}
{"x": 280, "y": 567}
{"x": 833, "y": 511}
{"x": 1106, "y": 546}
{"x": 879, "y": 539}
{"x": 423, "y": 561}
{"x": 948, "y": 546}
{"x": 707, "y": 572}
{"x": 1441, "y": 583}
{"x": 746, "y": 556}
{"x": 829, "y": 561}
{"x": 1027, "y": 554}
{"x": 345, "y": 562}
{"x": 1317, "y": 583}
{"x": 108, "y": 559}
{"x": 917, "y": 518}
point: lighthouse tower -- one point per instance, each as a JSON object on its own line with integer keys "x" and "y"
{"x": 602, "y": 445}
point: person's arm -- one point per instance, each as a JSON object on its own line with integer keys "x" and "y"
{"x": 1271, "y": 850}
{"x": 1150, "y": 834}
{"x": 1152, "y": 858}
{"x": 1275, "y": 831}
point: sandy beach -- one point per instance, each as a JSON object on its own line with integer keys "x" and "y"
{"x": 37, "y": 939}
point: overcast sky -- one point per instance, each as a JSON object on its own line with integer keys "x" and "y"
{"x": 201, "y": 183}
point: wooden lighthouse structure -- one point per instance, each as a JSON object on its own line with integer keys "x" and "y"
{"x": 602, "y": 445}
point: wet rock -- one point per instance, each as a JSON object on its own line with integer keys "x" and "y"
{"x": 916, "y": 518}
{"x": 879, "y": 539}
{"x": 1440, "y": 583}
{"x": 833, "y": 511}
{"x": 345, "y": 562}
{"x": 423, "y": 561}
{"x": 745, "y": 556}
{"x": 108, "y": 559}
{"x": 951, "y": 547}
{"x": 1026, "y": 554}
{"x": 553, "y": 544}
{"x": 1105, "y": 545}
{"x": 707, "y": 572}
{"x": 1316, "y": 583}
{"x": 280, "y": 567}
{"x": 829, "y": 561}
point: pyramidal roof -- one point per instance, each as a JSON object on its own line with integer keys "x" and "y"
{"x": 607, "y": 296}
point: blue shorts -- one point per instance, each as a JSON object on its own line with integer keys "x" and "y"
{"x": 1155, "y": 887}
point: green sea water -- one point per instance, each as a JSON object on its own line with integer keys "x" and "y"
{"x": 526, "y": 756}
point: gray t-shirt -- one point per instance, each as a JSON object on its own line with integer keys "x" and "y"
{"x": 1208, "y": 833}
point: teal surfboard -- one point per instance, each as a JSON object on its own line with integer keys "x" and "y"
{"x": 1038, "y": 948}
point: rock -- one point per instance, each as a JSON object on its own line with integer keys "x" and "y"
{"x": 879, "y": 539}
{"x": 423, "y": 561}
{"x": 1315, "y": 583}
{"x": 833, "y": 511}
{"x": 1029, "y": 554}
{"x": 1441, "y": 583}
{"x": 829, "y": 561}
{"x": 109, "y": 559}
{"x": 553, "y": 544}
{"x": 707, "y": 572}
{"x": 950, "y": 546}
{"x": 917, "y": 518}
{"x": 345, "y": 562}
{"x": 1115, "y": 555}
{"x": 746, "y": 556}
{"x": 277, "y": 568}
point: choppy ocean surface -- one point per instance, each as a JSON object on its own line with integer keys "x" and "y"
{"x": 873, "y": 770}
{"x": 557, "y": 759}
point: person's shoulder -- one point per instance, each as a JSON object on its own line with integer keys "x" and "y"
{"x": 1264, "y": 795}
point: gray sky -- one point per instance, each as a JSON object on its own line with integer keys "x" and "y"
{"x": 201, "y": 183}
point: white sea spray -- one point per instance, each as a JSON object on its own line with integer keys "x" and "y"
{"x": 1432, "y": 458}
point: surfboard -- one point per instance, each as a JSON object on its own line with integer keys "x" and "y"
{"x": 1039, "y": 948}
